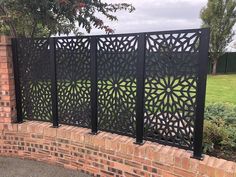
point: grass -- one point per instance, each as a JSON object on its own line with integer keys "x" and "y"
{"x": 221, "y": 88}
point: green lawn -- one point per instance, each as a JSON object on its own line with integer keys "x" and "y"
{"x": 221, "y": 88}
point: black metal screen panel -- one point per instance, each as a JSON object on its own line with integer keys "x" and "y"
{"x": 145, "y": 85}
{"x": 74, "y": 80}
{"x": 116, "y": 69}
{"x": 34, "y": 76}
{"x": 171, "y": 75}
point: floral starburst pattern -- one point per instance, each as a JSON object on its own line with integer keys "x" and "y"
{"x": 117, "y": 59}
{"x": 170, "y": 87}
{"x": 73, "y": 80}
{"x": 109, "y": 81}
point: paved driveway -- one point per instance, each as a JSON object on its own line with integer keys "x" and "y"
{"x": 13, "y": 167}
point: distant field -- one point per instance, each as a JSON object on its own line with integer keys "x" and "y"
{"x": 221, "y": 88}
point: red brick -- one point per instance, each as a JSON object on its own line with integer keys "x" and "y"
{"x": 7, "y": 100}
{"x": 168, "y": 174}
{"x": 186, "y": 163}
{"x": 211, "y": 171}
{"x": 219, "y": 173}
{"x": 182, "y": 172}
{"x": 5, "y": 40}
{"x": 51, "y": 132}
{"x": 105, "y": 154}
{"x": 229, "y": 174}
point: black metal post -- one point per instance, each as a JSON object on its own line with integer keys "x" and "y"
{"x": 226, "y": 62}
{"x": 19, "y": 118}
{"x": 94, "y": 118}
{"x": 53, "y": 83}
{"x": 201, "y": 92}
{"x": 140, "y": 89}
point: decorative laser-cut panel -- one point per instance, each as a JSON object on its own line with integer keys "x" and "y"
{"x": 35, "y": 83}
{"x": 171, "y": 77}
{"x": 117, "y": 67}
{"x": 171, "y": 74}
{"x": 73, "y": 80}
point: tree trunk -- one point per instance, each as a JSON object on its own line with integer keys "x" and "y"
{"x": 214, "y": 67}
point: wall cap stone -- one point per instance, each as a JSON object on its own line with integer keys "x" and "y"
{"x": 5, "y": 40}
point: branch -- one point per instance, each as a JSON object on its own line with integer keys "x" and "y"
{"x": 9, "y": 23}
{"x": 33, "y": 30}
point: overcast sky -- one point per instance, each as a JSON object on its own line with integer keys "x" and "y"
{"x": 155, "y": 15}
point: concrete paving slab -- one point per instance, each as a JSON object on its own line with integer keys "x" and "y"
{"x": 14, "y": 167}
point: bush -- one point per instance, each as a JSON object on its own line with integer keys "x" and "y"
{"x": 218, "y": 135}
{"x": 220, "y": 128}
{"x": 221, "y": 111}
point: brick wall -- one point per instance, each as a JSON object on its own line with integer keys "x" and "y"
{"x": 105, "y": 154}
{"x": 7, "y": 93}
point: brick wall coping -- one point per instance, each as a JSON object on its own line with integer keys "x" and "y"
{"x": 5, "y": 40}
{"x": 105, "y": 154}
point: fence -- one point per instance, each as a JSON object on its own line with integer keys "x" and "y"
{"x": 226, "y": 64}
{"x": 150, "y": 86}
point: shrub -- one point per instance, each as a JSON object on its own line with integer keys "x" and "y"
{"x": 220, "y": 128}
{"x": 218, "y": 135}
{"x": 221, "y": 111}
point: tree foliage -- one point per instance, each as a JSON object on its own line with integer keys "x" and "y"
{"x": 37, "y": 18}
{"x": 220, "y": 16}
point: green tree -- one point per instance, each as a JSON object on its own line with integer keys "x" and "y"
{"x": 42, "y": 18}
{"x": 220, "y": 16}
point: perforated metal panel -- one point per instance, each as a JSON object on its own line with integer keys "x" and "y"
{"x": 73, "y": 80}
{"x": 117, "y": 67}
{"x": 172, "y": 62}
{"x": 145, "y": 85}
{"x": 35, "y": 84}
